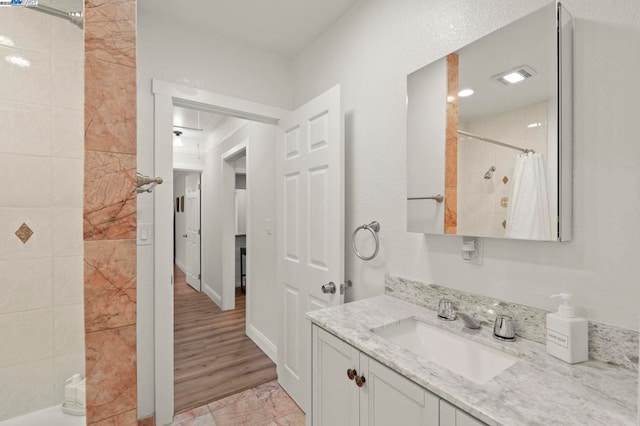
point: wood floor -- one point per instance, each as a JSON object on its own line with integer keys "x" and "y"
{"x": 213, "y": 358}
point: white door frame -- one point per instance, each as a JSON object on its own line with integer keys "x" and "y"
{"x": 166, "y": 96}
{"x": 228, "y": 227}
{"x": 195, "y": 169}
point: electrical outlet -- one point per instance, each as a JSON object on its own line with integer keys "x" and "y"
{"x": 471, "y": 250}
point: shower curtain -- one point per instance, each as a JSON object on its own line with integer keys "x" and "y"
{"x": 528, "y": 216}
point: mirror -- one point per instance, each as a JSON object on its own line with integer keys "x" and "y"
{"x": 489, "y": 135}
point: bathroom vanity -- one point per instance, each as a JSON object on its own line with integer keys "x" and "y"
{"x": 393, "y": 385}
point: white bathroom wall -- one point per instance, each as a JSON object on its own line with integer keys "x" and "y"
{"x": 174, "y": 53}
{"x": 184, "y": 160}
{"x": 180, "y": 221}
{"x": 41, "y": 169}
{"x": 371, "y": 49}
{"x": 480, "y": 211}
{"x": 260, "y": 140}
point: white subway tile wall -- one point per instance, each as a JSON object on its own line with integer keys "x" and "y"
{"x": 41, "y": 169}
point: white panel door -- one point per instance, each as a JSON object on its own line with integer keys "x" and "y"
{"x": 192, "y": 210}
{"x": 387, "y": 398}
{"x": 310, "y": 192}
{"x": 335, "y": 395}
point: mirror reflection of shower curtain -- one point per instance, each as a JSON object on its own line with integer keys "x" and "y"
{"x": 528, "y": 215}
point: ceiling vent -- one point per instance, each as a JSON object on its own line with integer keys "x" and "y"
{"x": 515, "y": 75}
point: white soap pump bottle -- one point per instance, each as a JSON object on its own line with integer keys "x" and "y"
{"x": 70, "y": 390}
{"x": 567, "y": 335}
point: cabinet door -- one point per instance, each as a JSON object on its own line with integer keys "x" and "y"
{"x": 387, "y": 398}
{"x": 452, "y": 416}
{"x": 334, "y": 395}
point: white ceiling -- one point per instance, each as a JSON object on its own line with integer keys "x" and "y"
{"x": 196, "y": 127}
{"x": 529, "y": 41}
{"x": 284, "y": 27}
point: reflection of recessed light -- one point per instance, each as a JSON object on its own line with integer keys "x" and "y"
{"x": 177, "y": 138}
{"x": 532, "y": 125}
{"x": 513, "y": 77}
{"x": 18, "y": 60}
{"x": 465, "y": 92}
{"x": 6, "y": 41}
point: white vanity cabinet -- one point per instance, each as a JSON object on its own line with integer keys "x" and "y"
{"x": 376, "y": 395}
{"x": 452, "y": 416}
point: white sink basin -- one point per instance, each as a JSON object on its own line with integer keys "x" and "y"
{"x": 475, "y": 361}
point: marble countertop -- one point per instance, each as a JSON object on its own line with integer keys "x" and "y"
{"x": 538, "y": 390}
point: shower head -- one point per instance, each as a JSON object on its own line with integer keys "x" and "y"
{"x": 489, "y": 173}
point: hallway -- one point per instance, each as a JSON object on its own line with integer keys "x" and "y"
{"x": 213, "y": 356}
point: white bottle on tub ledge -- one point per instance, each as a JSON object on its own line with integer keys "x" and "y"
{"x": 567, "y": 335}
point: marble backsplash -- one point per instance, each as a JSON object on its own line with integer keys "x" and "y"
{"x": 607, "y": 343}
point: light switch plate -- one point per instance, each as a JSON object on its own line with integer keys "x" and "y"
{"x": 145, "y": 234}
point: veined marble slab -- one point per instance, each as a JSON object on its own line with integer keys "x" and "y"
{"x": 538, "y": 390}
{"x": 607, "y": 343}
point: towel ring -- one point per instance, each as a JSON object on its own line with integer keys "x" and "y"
{"x": 372, "y": 227}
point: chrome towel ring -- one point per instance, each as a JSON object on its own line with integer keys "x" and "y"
{"x": 372, "y": 227}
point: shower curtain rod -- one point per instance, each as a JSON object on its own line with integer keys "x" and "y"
{"x": 73, "y": 17}
{"x": 495, "y": 142}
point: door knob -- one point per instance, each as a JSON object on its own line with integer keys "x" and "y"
{"x": 184, "y": 236}
{"x": 329, "y": 288}
{"x": 360, "y": 380}
{"x": 352, "y": 373}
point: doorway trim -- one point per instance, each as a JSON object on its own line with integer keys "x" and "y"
{"x": 166, "y": 96}
{"x": 228, "y": 232}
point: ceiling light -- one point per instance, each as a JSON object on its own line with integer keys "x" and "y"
{"x": 6, "y": 41}
{"x": 513, "y": 77}
{"x": 177, "y": 138}
{"x": 465, "y": 92}
{"x": 18, "y": 61}
{"x": 532, "y": 125}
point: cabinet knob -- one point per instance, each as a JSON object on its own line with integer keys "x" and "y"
{"x": 360, "y": 380}
{"x": 351, "y": 373}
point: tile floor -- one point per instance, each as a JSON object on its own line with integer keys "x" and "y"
{"x": 265, "y": 405}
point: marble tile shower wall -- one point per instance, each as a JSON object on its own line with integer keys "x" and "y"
{"x": 110, "y": 211}
{"x": 41, "y": 307}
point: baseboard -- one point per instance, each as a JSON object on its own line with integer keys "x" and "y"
{"x": 217, "y": 299}
{"x": 147, "y": 421}
{"x": 181, "y": 265}
{"x": 263, "y": 343}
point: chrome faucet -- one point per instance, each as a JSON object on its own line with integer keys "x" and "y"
{"x": 470, "y": 321}
{"x": 447, "y": 311}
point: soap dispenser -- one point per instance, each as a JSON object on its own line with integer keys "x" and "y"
{"x": 72, "y": 391}
{"x": 567, "y": 335}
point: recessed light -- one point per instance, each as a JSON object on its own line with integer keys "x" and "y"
{"x": 18, "y": 61}
{"x": 513, "y": 77}
{"x": 532, "y": 125}
{"x": 465, "y": 92}
{"x": 6, "y": 41}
